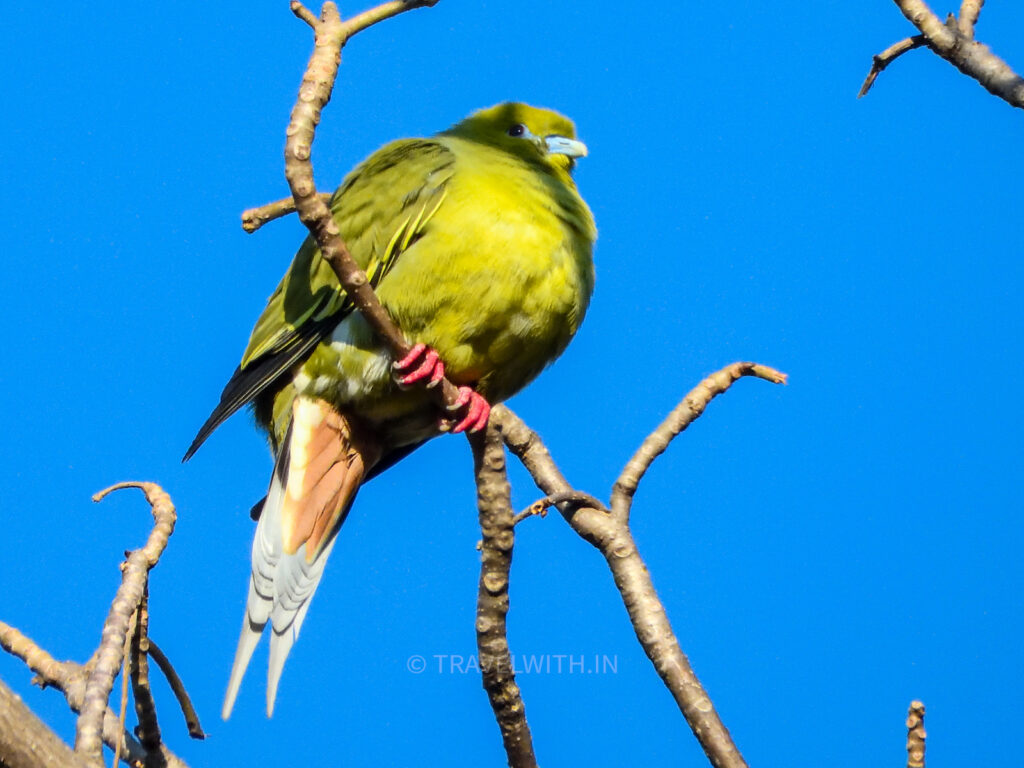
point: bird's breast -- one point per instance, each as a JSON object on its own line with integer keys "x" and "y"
{"x": 497, "y": 283}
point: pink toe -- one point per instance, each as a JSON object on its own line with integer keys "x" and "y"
{"x": 477, "y": 412}
{"x": 426, "y": 369}
{"x": 410, "y": 358}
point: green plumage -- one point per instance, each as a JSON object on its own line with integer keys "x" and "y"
{"x": 478, "y": 245}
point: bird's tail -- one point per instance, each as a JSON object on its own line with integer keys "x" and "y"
{"x": 322, "y": 462}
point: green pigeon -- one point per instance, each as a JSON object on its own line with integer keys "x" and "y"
{"x": 479, "y": 246}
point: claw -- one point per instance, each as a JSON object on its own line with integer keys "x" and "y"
{"x": 478, "y": 410}
{"x": 429, "y": 367}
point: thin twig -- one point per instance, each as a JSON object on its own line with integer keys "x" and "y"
{"x": 540, "y": 506}
{"x": 148, "y": 730}
{"x": 125, "y": 664}
{"x": 887, "y": 57}
{"x": 366, "y": 19}
{"x": 684, "y": 414}
{"x": 195, "y": 730}
{"x": 492, "y": 603}
{"x": 89, "y": 728}
{"x": 915, "y": 735}
{"x": 304, "y": 13}
{"x": 254, "y": 218}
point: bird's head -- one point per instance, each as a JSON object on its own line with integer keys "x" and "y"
{"x": 536, "y": 135}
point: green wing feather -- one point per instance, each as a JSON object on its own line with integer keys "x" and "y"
{"x": 382, "y": 208}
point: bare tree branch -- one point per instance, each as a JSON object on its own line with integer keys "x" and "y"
{"x": 915, "y": 735}
{"x": 954, "y": 41}
{"x": 317, "y": 84}
{"x": 89, "y": 685}
{"x": 254, "y": 218}
{"x": 26, "y": 741}
{"x": 69, "y": 678}
{"x": 610, "y": 533}
{"x": 492, "y": 603}
{"x": 89, "y": 729}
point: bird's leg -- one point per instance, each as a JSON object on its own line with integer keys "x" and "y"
{"x": 423, "y": 364}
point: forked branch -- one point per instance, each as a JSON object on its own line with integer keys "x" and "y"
{"x": 609, "y": 532}
{"x": 954, "y": 41}
{"x": 87, "y": 687}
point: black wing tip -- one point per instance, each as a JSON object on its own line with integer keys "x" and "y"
{"x": 216, "y": 419}
{"x": 199, "y": 440}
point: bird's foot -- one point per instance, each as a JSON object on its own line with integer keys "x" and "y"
{"x": 475, "y": 407}
{"x": 470, "y": 410}
{"x": 422, "y": 363}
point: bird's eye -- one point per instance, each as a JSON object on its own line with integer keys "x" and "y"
{"x": 517, "y": 130}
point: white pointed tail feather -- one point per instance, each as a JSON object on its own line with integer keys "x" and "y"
{"x": 247, "y": 643}
{"x": 294, "y": 585}
{"x": 266, "y": 551}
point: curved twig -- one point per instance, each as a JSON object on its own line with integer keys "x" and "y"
{"x": 684, "y": 414}
{"x": 195, "y": 730}
{"x": 882, "y": 60}
{"x": 492, "y": 602}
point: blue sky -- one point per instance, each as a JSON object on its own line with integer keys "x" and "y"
{"x": 827, "y": 551}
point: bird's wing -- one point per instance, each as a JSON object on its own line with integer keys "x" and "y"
{"x": 381, "y": 208}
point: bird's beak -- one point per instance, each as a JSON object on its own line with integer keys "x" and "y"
{"x": 560, "y": 145}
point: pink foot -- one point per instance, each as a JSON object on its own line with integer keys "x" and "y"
{"x": 421, "y": 363}
{"x": 476, "y": 407}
